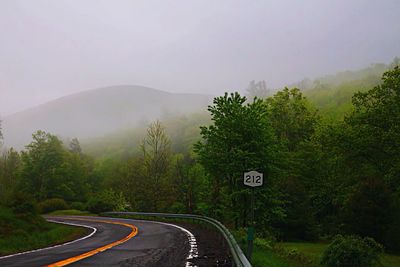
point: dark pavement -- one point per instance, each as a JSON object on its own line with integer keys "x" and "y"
{"x": 155, "y": 245}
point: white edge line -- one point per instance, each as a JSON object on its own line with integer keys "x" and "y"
{"x": 193, "y": 253}
{"x": 56, "y": 246}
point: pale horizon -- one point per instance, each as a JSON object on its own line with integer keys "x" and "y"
{"x": 50, "y": 49}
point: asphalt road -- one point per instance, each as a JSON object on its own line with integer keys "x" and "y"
{"x": 154, "y": 244}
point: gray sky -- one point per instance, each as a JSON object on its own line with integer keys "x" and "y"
{"x": 51, "y": 48}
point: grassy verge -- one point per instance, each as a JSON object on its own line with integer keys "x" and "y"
{"x": 71, "y": 212}
{"x": 267, "y": 258}
{"x": 314, "y": 251}
{"x": 263, "y": 253}
{"x": 23, "y": 232}
{"x": 295, "y": 254}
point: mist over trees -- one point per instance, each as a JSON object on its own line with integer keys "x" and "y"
{"x": 322, "y": 176}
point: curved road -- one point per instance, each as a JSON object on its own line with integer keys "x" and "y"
{"x": 113, "y": 242}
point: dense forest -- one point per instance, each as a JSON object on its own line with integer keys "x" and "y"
{"x": 330, "y": 167}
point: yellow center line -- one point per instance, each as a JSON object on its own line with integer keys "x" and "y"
{"x": 100, "y": 249}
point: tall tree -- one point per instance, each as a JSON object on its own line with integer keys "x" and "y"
{"x": 49, "y": 170}
{"x": 9, "y": 166}
{"x": 240, "y": 139}
{"x": 156, "y": 160}
{"x": 292, "y": 116}
{"x": 374, "y": 130}
{"x": 1, "y": 135}
{"x": 75, "y": 146}
{"x": 257, "y": 89}
{"x": 41, "y": 165}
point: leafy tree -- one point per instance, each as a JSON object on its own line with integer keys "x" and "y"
{"x": 146, "y": 179}
{"x": 50, "y": 171}
{"x": 52, "y": 204}
{"x": 1, "y": 136}
{"x": 374, "y": 130}
{"x": 298, "y": 221}
{"x": 240, "y": 139}
{"x": 191, "y": 185}
{"x": 156, "y": 156}
{"x": 292, "y": 117}
{"x": 107, "y": 200}
{"x": 41, "y": 169}
{"x": 368, "y": 208}
{"x": 75, "y": 146}
{"x": 9, "y": 166}
{"x": 257, "y": 89}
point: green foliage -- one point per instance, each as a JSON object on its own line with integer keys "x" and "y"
{"x": 52, "y": 204}
{"x": 323, "y": 176}
{"x": 50, "y": 171}
{"x": 98, "y": 205}
{"x": 368, "y": 208}
{"x": 315, "y": 251}
{"x": 75, "y": 146}
{"x": 346, "y": 251}
{"x": 298, "y": 221}
{"x": 77, "y": 206}
{"x": 292, "y": 117}
{"x": 72, "y": 212}
{"x": 23, "y": 204}
{"x": 22, "y": 232}
{"x": 1, "y": 136}
{"x": 9, "y": 167}
{"x": 107, "y": 200}
{"x": 374, "y": 129}
{"x": 240, "y": 139}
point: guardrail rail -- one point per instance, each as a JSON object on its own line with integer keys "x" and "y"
{"x": 238, "y": 256}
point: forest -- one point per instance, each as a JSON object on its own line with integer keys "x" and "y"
{"x": 331, "y": 165}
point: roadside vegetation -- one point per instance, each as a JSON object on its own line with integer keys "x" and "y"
{"x": 331, "y": 164}
{"x": 23, "y": 231}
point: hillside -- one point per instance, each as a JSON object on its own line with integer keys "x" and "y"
{"x": 332, "y": 93}
{"x": 99, "y": 112}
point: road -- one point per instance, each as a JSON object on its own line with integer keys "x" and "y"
{"x": 113, "y": 242}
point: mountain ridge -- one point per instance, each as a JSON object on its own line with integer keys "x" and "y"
{"x": 99, "y": 111}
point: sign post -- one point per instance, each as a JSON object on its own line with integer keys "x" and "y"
{"x": 252, "y": 179}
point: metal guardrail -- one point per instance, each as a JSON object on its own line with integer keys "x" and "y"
{"x": 238, "y": 256}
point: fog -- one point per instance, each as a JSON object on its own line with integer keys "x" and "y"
{"x": 50, "y": 49}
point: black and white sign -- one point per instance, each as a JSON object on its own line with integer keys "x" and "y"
{"x": 253, "y": 179}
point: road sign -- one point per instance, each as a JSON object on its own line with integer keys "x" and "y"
{"x": 253, "y": 178}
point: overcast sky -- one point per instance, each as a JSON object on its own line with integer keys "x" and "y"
{"x": 53, "y": 48}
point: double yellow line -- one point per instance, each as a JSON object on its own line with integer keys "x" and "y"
{"x": 133, "y": 233}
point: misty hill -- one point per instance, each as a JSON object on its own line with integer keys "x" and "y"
{"x": 99, "y": 112}
{"x": 372, "y": 72}
{"x": 332, "y": 93}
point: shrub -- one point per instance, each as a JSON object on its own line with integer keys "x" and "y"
{"x": 77, "y": 206}
{"x": 98, "y": 205}
{"x": 107, "y": 200}
{"x": 52, "y": 204}
{"x": 23, "y": 204}
{"x": 177, "y": 207}
{"x": 352, "y": 251}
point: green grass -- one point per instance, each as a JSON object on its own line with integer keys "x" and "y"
{"x": 22, "y": 232}
{"x": 315, "y": 250}
{"x": 389, "y": 260}
{"x": 267, "y": 258}
{"x": 311, "y": 250}
{"x": 71, "y": 212}
{"x": 24, "y": 241}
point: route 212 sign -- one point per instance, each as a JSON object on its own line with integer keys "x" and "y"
{"x": 253, "y": 178}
